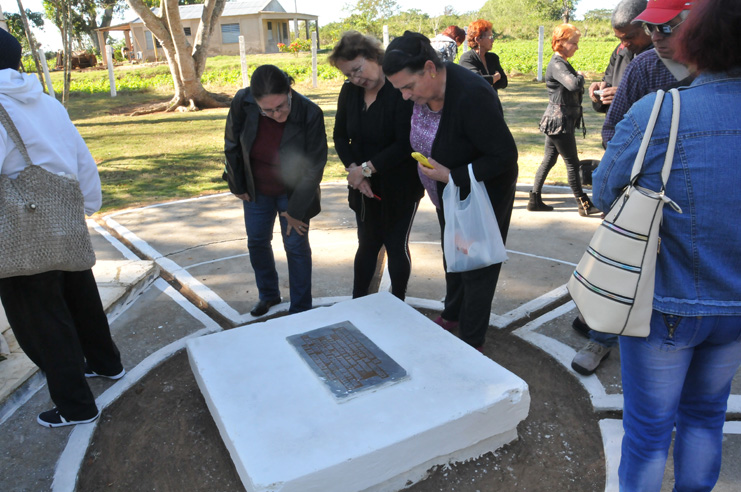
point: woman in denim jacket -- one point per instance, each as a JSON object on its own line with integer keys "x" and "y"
{"x": 680, "y": 375}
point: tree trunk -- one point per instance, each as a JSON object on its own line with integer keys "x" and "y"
{"x": 32, "y": 45}
{"x": 67, "y": 42}
{"x": 186, "y": 64}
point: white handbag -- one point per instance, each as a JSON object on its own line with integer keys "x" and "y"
{"x": 613, "y": 284}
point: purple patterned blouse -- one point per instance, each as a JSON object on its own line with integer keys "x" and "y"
{"x": 424, "y": 128}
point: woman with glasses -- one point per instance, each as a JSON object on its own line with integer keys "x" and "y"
{"x": 480, "y": 59}
{"x": 371, "y": 135}
{"x": 561, "y": 119}
{"x": 276, "y": 149}
{"x": 456, "y": 121}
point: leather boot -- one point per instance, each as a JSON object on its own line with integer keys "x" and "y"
{"x": 536, "y": 203}
{"x": 586, "y": 207}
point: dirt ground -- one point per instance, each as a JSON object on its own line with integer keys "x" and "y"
{"x": 160, "y": 436}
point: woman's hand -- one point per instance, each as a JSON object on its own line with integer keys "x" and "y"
{"x": 244, "y": 196}
{"x": 438, "y": 171}
{"x": 496, "y": 77}
{"x": 365, "y": 188}
{"x": 294, "y": 224}
{"x": 355, "y": 176}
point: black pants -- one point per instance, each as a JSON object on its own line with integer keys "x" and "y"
{"x": 374, "y": 231}
{"x": 58, "y": 319}
{"x": 468, "y": 295}
{"x": 563, "y": 144}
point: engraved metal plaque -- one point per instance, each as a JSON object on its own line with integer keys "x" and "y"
{"x": 345, "y": 359}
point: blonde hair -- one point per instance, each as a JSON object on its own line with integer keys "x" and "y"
{"x": 561, "y": 34}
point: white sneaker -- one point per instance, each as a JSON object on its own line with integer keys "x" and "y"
{"x": 588, "y": 359}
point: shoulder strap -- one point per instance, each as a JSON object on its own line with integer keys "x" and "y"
{"x": 672, "y": 138}
{"x": 638, "y": 163}
{"x": 14, "y": 135}
{"x": 673, "y": 130}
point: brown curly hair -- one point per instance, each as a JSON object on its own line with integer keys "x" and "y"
{"x": 476, "y": 29}
{"x": 354, "y": 44}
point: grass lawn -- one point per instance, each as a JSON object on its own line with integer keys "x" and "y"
{"x": 167, "y": 156}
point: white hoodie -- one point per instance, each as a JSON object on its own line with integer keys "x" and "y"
{"x": 50, "y": 137}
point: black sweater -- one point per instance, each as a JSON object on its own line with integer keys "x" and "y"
{"x": 472, "y": 130}
{"x": 471, "y": 60}
{"x": 379, "y": 134}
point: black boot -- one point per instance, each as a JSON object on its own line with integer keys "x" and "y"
{"x": 586, "y": 207}
{"x": 536, "y": 203}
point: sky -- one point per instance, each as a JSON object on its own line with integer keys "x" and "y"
{"x": 327, "y": 10}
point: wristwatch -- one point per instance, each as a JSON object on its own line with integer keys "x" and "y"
{"x": 367, "y": 171}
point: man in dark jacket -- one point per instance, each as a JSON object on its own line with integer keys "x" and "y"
{"x": 633, "y": 41}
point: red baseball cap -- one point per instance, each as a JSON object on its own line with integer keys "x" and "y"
{"x": 662, "y": 11}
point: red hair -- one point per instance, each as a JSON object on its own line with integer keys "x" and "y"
{"x": 476, "y": 29}
{"x": 561, "y": 34}
{"x": 709, "y": 38}
{"x": 455, "y": 33}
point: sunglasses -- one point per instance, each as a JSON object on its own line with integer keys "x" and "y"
{"x": 664, "y": 29}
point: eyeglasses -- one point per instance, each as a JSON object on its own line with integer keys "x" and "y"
{"x": 286, "y": 106}
{"x": 664, "y": 29}
{"x": 355, "y": 72}
{"x": 490, "y": 37}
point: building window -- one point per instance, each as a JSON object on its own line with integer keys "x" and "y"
{"x": 285, "y": 30}
{"x": 229, "y": 33}
{"x": 270, "y": 32}
{"x": 148, "y": 37}
{"x": 187, "y": 31}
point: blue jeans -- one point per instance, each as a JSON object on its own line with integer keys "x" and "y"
{"x": 605, "y": 339}
{"x": 259, "y": 220}
{"x": 680, "y": 375}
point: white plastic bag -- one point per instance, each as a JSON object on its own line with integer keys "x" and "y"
{"x": 472, "y": 237}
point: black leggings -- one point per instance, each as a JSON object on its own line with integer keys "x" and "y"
{"x": 563, "y": 144}
{"x": 376, "y": 230}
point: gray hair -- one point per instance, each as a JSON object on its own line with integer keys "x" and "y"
{"x": 626, "y": 11}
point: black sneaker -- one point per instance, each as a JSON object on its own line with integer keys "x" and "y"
{"x": 581, "y": 327}
{"x": 52, "y": 418}
{"x": 89, "y": 373}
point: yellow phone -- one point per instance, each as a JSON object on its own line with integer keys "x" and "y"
{"x": 422, "y": 160}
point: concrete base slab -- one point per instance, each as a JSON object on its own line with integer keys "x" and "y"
{"x": 286, "y": 432}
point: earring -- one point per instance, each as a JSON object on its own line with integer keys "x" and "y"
{"x": 433, "y": 74}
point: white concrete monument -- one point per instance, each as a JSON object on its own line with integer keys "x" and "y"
{"x": 365, "y": 395}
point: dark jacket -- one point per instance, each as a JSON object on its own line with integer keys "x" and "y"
{"x": 565, "y": 92}
{"x": 619, "y": 61}
{"x": 472, "y": 130}
{"x": 302, "y": 154}
{"x": 471, "y": 60}
{"x": 383, "y": 139}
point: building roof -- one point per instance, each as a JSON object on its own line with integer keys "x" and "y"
{"x": 230, "y": 9}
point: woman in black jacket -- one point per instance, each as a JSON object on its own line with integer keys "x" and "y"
{"x": 457, "y": 120}
{"x": 480, "y": 59}
{"x": 371, "y": 135}
{"x": 561, "y": 119}
{"x": 276, "y": 149}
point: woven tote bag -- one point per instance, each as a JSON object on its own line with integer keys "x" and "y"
{"x": 42, "y": 219}
{"x": 613, "y": 284}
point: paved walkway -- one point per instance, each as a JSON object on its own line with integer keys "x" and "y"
{"x": 178, "y": 270}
